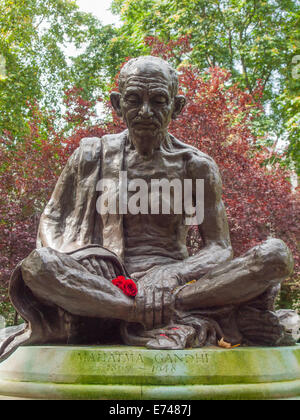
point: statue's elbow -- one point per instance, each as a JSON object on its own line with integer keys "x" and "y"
{"x": 224, "y": 250}
{"x": 228, "y": 252}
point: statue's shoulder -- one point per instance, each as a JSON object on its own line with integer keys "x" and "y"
{"x": 92, "y": 146}
{"x": 196, "y": 160}
{"x": 89, "y": 145}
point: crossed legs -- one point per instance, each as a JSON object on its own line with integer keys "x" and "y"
{"x": 241, "y": 280}
{"x": 58, "y": 279}
{"x": 78, "y": 288}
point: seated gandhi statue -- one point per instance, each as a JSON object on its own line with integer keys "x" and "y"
{"x": 64, "y": 290}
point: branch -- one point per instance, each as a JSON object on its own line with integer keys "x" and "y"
{"x": 245, "y": 71}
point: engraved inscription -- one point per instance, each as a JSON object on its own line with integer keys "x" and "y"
{"x": 125, "y": 362}
{"x": 167, "y": 363}
{"x": 111, "y": 357}
{"x": 112, "y": 362}
{"x": 182, "y": 357}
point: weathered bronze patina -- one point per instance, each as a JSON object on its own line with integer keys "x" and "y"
{"x": 63, "y": 289}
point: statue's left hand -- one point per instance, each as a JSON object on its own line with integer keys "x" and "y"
{"x": 155, "y": 299}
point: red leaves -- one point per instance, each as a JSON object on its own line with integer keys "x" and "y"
{"x": 79, "y": 110}
{"x": 167, "y": 51}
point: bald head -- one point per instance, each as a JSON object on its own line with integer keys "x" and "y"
{"x": 148, "y": 66}
{"x": 147, "y": 101}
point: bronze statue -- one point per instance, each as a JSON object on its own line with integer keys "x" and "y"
{"x": 64, "y": 288}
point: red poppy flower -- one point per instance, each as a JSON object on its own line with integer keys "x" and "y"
{"x": 130, "y": 288}
{"x": 119, "y": 282}
{"x": 127, "y": 286}
{"x": 121, "y": 278}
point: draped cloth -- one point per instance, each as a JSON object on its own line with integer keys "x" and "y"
{"x": 70, "y": 224}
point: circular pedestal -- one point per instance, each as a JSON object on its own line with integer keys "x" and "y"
{"x": 131, "y": 373}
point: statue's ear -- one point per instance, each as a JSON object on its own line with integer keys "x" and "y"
{"x": 115, "y": 99}
{"x": 179, "y": 104}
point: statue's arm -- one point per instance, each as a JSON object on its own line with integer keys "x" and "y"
{"x": 68, "y": 220}
{"x": 214, "y": 229}
{"x": 52, "y": 227}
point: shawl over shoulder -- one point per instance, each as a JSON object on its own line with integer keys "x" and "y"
{"x": 70, "y": 223}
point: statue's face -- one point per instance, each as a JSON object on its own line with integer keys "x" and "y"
{"x": 147, "y": 102}
{"x": 147, "y": 105}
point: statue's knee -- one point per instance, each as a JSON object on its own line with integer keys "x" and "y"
{"x": 35, "y": 264}
{"x": 277, "y": 258}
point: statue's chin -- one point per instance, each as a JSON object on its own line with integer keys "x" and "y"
{"x": 146, "y": 141}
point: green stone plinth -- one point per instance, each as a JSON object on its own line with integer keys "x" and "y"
{"x": 52, "y": 372}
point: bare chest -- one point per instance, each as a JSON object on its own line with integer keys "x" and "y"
{"x": 158, "y": 167}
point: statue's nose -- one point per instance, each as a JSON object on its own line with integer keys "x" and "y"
{"x": 146, "y": 110}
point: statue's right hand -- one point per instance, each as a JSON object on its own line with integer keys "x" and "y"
{"x": 100, "y": 267}
{"x": 155, "y": 300}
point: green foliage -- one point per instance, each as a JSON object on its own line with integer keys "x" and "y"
{"x": 289, "y": 103}
{"x": 7, "y": 311}
{"x": 37, "y": 66}
{"x": 95, "y": 68}
{"x": 290, "y": 295}
{"x": 254, "y": 39}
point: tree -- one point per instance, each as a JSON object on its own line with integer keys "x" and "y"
{"x": 289, "y": 101}
{"x": 253, "y": 39}
{"x": 35, "y": 39}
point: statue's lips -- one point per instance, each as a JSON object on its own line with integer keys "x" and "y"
{"x": 145, "y": 125}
